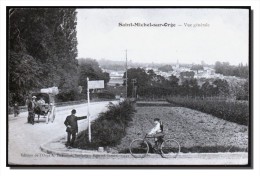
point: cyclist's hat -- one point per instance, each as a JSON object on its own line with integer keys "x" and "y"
{"x": 156, "y": 119}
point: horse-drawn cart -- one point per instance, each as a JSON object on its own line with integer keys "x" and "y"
{"x": 45, "y": 104}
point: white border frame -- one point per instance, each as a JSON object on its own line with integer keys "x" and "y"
{"x": 255, "y": 6}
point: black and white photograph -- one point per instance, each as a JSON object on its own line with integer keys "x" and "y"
{"x": 135, "y": 86}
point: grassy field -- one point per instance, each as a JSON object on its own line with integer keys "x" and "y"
{"x": 233, "y": 111}
{"x": 195, "y": 131}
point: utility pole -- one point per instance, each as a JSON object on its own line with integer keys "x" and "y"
{"x": 134, "y": 89}
{"x": 126, "y": 72}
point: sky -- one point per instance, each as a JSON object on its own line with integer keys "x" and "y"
{"x": 224, "y": 36}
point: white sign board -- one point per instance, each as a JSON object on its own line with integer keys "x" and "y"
{"x": 51, "y": 90}
{"x": 96, "y": 84}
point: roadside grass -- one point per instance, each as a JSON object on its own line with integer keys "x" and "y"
{"x": 109, "y": 128}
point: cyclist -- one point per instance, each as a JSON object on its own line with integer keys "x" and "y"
{"x": 157, "y": 132}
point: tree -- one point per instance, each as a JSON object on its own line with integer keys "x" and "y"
{"x": 197, "y": 68}
{"x": 243, "y": 92}
{"x": 174, "y": 84}
{"x": 222, "y": 87}
{"x": 46, "y": 37}
{"x": 246, "y": 89}
{"x": 207, "y": 89}
{"x": 190, "y": 87}
{"x": 152, "y": 75}
{"x": 229, "y": 70}
{"x": 165, "y": 68}
{"x": 142, "y": 80}
{"x": 24, "y": 70}
{"x": 173, "y": 80}
{"x": 90, "y": 68}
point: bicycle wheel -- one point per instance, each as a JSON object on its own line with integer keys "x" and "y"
{"x": 139, "y": 148}
{"x": 170, "y": 148}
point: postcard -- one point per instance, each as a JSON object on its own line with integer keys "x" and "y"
{"x": 135, "y": 86}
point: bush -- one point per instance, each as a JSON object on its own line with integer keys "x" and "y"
{"x": 231, "y": 111}
{"x": 69, "y": 95}
{"x": 103, "y": 95}
{"x": 109, "y": 128}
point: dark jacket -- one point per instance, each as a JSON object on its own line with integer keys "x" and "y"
{"x": 72, "y": 120}
{"x": 31, "y": 106}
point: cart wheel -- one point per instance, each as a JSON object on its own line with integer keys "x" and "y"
{"x": 53, "y": 117}
{"x": 53, "y": 114}
{"x": 47, "y": 118}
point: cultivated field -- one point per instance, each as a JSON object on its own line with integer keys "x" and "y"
{"x": 195, "y": 131}
{"x": 233, "y": 111}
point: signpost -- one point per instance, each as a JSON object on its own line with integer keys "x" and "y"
{"x": 98, "y": 84}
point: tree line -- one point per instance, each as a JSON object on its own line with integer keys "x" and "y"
{"x": 229, "y": 70}
{"x": 149, "y": 85}
{"x": 42, "y": 52}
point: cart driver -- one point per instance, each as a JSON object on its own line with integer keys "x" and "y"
{"x": 41, "y": 103}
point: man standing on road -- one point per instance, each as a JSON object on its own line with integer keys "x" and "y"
{"x": 71, "y": 123}
{"x": 31, "y": 106}
{"x": 16, "y": 109}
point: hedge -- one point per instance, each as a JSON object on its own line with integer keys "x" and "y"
{"x": 109, "y": 128}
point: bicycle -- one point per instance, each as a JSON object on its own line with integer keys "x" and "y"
{"x": 168, "y": 148}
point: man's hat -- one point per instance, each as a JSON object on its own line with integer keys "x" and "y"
{"x": 73, "y": 111}
{"x": 34, "y": 97}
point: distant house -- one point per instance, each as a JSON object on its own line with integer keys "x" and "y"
{"x": 116, "y": 78}
{"x": 209, "y": 71}
{"x": 115, "y": 81}
{"x": 187, "y": 75}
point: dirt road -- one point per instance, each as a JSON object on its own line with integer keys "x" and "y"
{"x": 25, "y": 140}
